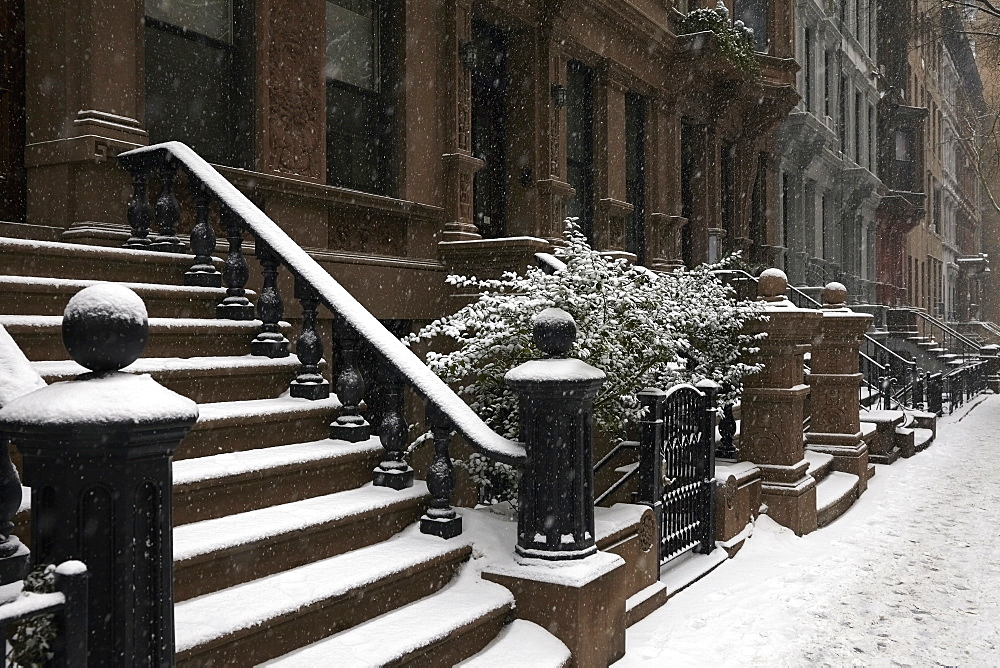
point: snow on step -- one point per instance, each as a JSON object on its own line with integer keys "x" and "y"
{"x": 834, "y": 487}
{"x": 921, "y": 437}
{"x": 394, "y": 636}
{"x": 817, "y": 460}
{"x": 229, "y": 532}
{"x": 232, "y": 464}
{"x": 254, "y": 604}
{"x": 45, "y": 284}
{"x": 521, "y": 643}
{"x": 258, "y": 410}
{"x": 155, "y": 324}
{"x": 160, "y": 365}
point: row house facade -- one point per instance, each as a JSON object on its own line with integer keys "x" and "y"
{"x": 400, "y": 141}
{"x": 829, "y": 191}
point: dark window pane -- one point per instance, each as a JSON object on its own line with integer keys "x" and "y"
{"x": 211, "y": 18}
{"x": 635, "y": 174}
{"x": 352, "y": 43}
{"x": 489, "y": 116}
{"x": 580, "y": 144}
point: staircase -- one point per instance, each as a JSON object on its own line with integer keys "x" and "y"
{"x": 280, "y": 541}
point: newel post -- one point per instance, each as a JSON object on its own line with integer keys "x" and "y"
{"x": 772, "y": 406}
{"x": 835, "y": 385}
{"x": 97, "y": 455}
{"x": 560, "y": 580}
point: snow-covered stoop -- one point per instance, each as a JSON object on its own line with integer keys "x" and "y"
{"x": 283, "y": 550}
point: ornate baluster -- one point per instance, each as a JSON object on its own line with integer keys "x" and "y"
{"x": 139, "y": 212}
{"x": 393, "y": 471}
{"x": 168, "y": 213}
{"x": 440, "y": 519}
{"x": 727, "y": 434}
{"x": 349, "y": 426}
{"x": 309, "y": 384}
{"x": 203, "y": 272}
{"x": 235, "y": 306}
{"x": 270, "y": 342}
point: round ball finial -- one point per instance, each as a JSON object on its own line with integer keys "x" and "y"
{"x": 105, "y": 327}
{"x": 834, "y": 294}
{"x": 554, "y": 331}
{"x": 772, "y": 285}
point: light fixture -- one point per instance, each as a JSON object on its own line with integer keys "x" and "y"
{"x": 559, "y": 95}
{"x": 467, "y": 54}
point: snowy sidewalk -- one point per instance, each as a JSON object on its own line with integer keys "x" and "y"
{"x": 909, "y": 576}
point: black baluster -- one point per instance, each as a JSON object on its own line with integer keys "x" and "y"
{"x": 139, "y": 212}
{"x": 309, "y": 384}
{"x": 727, "y": 434}
{"x": 168, "y": 213}
{"x": 270, "y": 342}
{"x": 440, "y": 519}
{"x": 350, "y": 425}
{"x": 235, "y": 272}
{"x": 203, "y": 272}
{"x": 706, "y": 464}
{"x": 393, "y": 471}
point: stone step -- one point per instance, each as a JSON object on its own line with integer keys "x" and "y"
{"x": 820, "y": 464}
{"x": 270, "y": 617}
{"x": 25, "y": 295}
{"x": 922, "y": 439}
{"x": 21, "y": 257}
{"x": 202, "y": 379}
{"x": 230, "y": 483}
{"x": 227, "y": 551}
{"x": 521, "y": 643}
{"x": 40, "y": 336}
{"x": 439, "y": 630}
{"x": 834, "y": 496}
{"x": 235, "y": 426}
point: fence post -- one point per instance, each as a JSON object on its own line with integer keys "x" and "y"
{"x": 772, "y": 407}
{"x": 97, "y": 455}
{"x": 710, "y": 388}
{"x": 651, "y": 455}
{"x": 991, "y": 354}
{"x": 71, "y": 580}
{"x": 934, "y": 400}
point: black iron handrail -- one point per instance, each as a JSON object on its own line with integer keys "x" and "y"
{"x": 967, "y": 346}
{"x": 314, "y": 278}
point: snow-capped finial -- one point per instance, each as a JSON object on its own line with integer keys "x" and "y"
{"x": 834, "y": 295}
{"x": 105, "y": 327}
{"x": 772, "y": 285}
{"x": 553, "y": 331}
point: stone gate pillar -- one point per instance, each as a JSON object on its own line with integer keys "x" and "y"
{"x": 835, "y": 382}
{"x": 772, "y": 407}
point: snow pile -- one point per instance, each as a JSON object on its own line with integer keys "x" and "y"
{"x": 17, "y": 378}
{"x": 108, "y": 302}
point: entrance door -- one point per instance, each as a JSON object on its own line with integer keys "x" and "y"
{"x": 489, "y": 121}
{"x": 12, "y": 180}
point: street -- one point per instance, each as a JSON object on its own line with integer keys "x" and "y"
{"x": 909, "y": 576}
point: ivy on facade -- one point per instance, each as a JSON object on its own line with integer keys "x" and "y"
{"x": 736, "y": 40}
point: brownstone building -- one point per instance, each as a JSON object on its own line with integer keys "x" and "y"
{"x": 398, "y": 141}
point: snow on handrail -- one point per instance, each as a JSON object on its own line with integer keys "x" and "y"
{"x": 336, "y": 298}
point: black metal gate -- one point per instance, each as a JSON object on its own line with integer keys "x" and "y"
{"x": 677, "y": 466}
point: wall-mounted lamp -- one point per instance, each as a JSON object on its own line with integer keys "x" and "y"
{"x": 559, "y": 95}
{"x": 467, "y": 54}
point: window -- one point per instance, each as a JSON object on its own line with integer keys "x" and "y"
{"x": 359, "y": 121}
{"x": 754, "y": 14}
{"x": 872, "y": 135}
{"x": 808, "y": 69}
{"x": 689, "y": 175}
{"x": 635, "y": 174}
{"x": 858, "y": 127}
{"x": 198, "y": 71}
{"x": 786, "y": 203}
{"x": 828, "y": 83}
{"x": 580, "y": 144}
{"x": 842, "y": 113}
{"x": 489, "y": 127}
{"x": 727, "y": 196}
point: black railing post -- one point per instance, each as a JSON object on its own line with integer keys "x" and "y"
{"x": 934, "y": 402}
{"x": 650, "y": 488}
{"x": 555, "y": 518}
{"x": 440, "y": 518}
{"x": 140, "y": 212}
{"x": 101, "y": 480}
{"x": 350, "y": 387}
{"x": 392, "y": 471}
{"x": 167, "y": 212}
{"x": 309, "y": 383}
{"x": 707, "y": 460}
{"x": 203, "y": 272}
{"x": 270, "y": 342}
{"x": 727, "y": 434}
{"x": 71, "y": 581}
{"x": 235, "y": 306}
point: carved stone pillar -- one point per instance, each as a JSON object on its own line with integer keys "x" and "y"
{"x": 459, "y": 163}
{"x": 663, "y": 241}
{"x": 553, "y": 190}
{"x": 835, "y": 382}
{"x": 663, "y": 185}
{"x": 613, "y": 211}
{"x": 772, "y": 407}
{"x": 84, "y": 104}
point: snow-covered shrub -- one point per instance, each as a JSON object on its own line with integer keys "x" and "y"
{"x": 640, "y": 327}
{"x": 736, "y": 40}
{"x": 31, "y": 641}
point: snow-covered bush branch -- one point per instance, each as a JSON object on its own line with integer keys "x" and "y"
{"x": 640, "y": 327}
